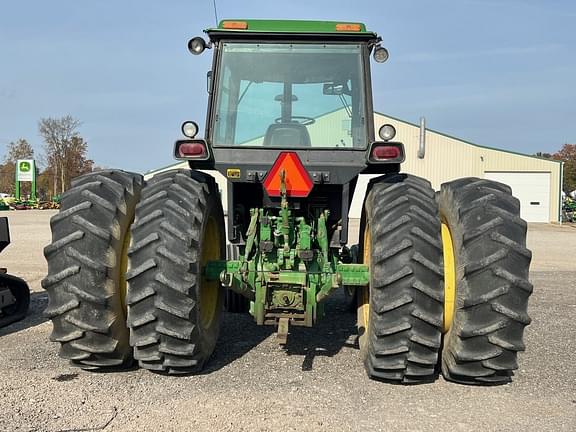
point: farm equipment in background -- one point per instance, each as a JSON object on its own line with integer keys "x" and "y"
{"x": 138, "y": 269}
{"x": 49, "y": 205}
{"x": 14, "y": 292}
{"x": 25, "y": 204}
{"x": 569, "y": 210}
{"x": 12, "y": 203}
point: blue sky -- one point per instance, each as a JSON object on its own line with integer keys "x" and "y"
{"x": 500, "y": 73}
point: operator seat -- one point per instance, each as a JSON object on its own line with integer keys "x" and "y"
{"x": 287, "y": 135}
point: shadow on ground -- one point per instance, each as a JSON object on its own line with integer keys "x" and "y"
{"x": 327, "y": 338}
{"x": 239, "y": 334}
{"x": 34, "y": 317}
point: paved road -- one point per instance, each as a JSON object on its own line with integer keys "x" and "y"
{"x": 317, "y": 383}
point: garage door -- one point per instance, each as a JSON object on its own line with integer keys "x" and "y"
{"x": 532, "y": 189}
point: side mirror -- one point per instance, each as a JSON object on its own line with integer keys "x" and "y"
{"x": 209, "y": 82}
{"x": 332, "y": 89}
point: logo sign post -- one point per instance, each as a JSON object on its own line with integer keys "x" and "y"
{"x": 26, "y": 172}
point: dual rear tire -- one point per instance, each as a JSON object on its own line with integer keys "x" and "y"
{"x": 490, "y": 271}
{"x": 449, "y": 281}
{"x": 400, "y": 315}
{"x": 125, "y": 274}
{"x": 173, "y": 311}
{"x": 86, "y": 266}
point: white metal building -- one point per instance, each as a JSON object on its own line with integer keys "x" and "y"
{"x": 534, "y": 181}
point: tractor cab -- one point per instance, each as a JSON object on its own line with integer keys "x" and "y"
{"x": 289, "y": 86}
{"x": 287, "y": 94}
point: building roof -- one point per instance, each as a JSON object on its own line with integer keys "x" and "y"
{"x": 467, "y": 142}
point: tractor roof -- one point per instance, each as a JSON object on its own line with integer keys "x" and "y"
{"x": 249, "y": 28}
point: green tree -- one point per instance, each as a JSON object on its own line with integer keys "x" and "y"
{"x": 77, "y": 163}
{"x": 20, "y": 149}
{"x": 66, "y": 151}
{"x": 567, "y": 154}
{"x": 44, "y": 184}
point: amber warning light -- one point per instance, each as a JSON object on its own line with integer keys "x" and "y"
{"x": 236, "y": 25}
{"x": 348, "y": 27}
{"x": 298, "y": 181}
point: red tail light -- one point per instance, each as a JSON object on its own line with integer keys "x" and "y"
{"x": 191, "y": 149}
{"x": 386, "y": 152}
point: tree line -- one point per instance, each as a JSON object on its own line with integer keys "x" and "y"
{"x": 64, "y": 157}
{"x": 566, "y": 154}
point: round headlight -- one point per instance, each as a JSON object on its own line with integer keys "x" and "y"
{"x": 189, "y": 129}
{"x": 387, "y": 132}
{"x": 196, "y": 45}
{"x": 380, "y": 54}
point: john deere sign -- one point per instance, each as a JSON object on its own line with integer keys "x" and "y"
{"x": 26, "y": 172}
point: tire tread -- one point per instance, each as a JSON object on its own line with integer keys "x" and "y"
{"x": 493, "y": 287}
{"x": 406, "y": 290}
{"x": 164, "y": 273}
{"x": 84, "y": 269}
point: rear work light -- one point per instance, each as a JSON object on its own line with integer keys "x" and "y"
{"x": 386, "y": 152}
{"x": 196, "y": 149}
{"x": 235, "y": 25}
{"x": 197, "y": 45}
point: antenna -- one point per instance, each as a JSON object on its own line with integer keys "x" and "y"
{"x": 215, "y": 12}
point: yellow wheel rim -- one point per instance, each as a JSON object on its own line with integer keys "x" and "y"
{"x": 449, "y": 276}
{"x": 364, "y": 292}
{"x": 209, "y": 290}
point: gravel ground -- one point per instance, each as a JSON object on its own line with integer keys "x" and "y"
{"x": 316, "y": 383}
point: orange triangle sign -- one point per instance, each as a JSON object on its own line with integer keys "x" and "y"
{"x": 298, "y": 181}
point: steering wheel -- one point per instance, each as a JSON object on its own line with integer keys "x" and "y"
{"x": 303, "y": 120}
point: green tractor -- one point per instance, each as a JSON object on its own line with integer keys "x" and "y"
{"x": 139, "y": 270}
